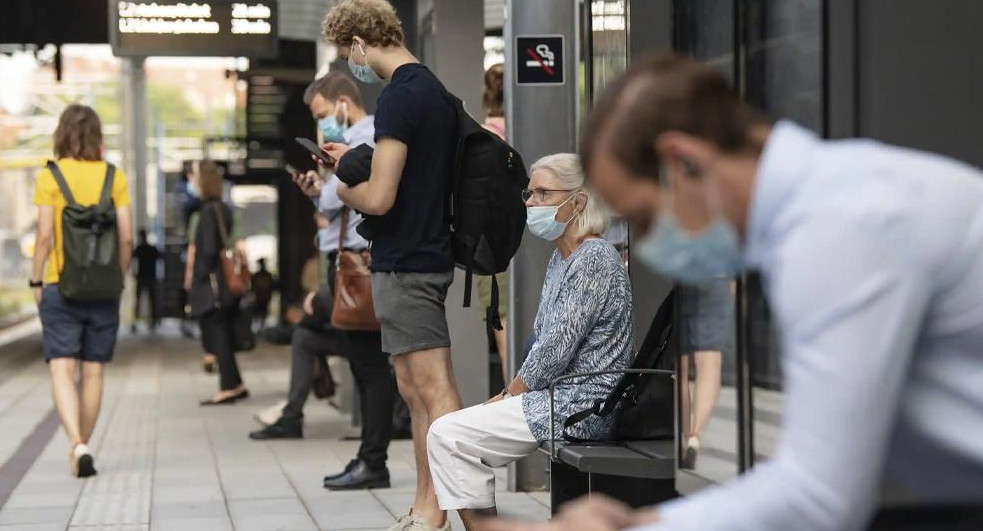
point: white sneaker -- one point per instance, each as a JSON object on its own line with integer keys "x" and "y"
{"x": 271, "y": 414}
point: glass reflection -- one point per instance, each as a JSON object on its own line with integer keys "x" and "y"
{"x": 785, "y": 80}
{"x": 707, "y": 393}
{"x": 609, "y": 59}
{"x": 708, "y": 430}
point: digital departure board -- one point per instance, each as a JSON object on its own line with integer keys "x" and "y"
{"x": 209, "y": 27}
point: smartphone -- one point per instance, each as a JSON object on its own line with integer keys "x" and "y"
{"x": 291, "y": 170}
{"x": 315, "y": 150}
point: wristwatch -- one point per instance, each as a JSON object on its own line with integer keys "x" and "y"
{"x": 35, "y": 283}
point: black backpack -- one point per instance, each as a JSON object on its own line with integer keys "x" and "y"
{"x": 644, "y": 403}
{"x": 91, "y": 271}
{"x": 487, "y": 214}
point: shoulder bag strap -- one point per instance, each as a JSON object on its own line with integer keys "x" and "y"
{"x": 62, "y": 184}
{"x": 579, "y": 417}
{"x": 105, "y": 199}
{"x": 343, "y": 231}
{"x": 223, "y": 232}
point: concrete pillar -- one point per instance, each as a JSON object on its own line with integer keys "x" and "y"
{"x": 452, "y": 35}
{"x": 542, "y": 120}
{"x": 134, "y": 135}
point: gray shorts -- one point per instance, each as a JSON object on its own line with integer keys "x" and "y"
{"x": 410, "y": 308}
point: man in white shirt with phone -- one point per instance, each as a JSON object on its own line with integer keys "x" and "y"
{"x": 335, "y": 103}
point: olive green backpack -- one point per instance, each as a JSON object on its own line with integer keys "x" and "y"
{"x": 91, "y": 270}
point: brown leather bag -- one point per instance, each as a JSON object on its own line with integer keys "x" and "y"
{"x": 353, "y": 309}
{"x": 235, "y": 268}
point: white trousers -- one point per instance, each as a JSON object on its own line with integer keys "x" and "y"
{"x": 465, "y": 445}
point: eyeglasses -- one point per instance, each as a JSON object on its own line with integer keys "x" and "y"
{"x": 541, "y": 194}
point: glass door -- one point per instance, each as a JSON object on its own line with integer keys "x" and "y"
{"x": 708, "y": 393}
{"x": 605, "y": 40}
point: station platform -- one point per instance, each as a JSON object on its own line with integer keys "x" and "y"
{"x": 165, "y": 463}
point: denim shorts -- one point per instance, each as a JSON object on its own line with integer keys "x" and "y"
{"x": 83, "y": 330}
{"x": 410, "y": 310}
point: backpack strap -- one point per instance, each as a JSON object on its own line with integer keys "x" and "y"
{"x": 106, "y": 198}
{"x": 492, "y": 314}
{"x": 468, "y": 280}
{"x": 62, "y": 183}
{"x": 343, "y": 231}
{"x": 581, "y": 416}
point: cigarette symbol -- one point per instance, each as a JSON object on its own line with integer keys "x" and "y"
{"x": 541, "y": 57}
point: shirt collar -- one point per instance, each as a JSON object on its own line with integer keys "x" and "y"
{"x": 784, "y": 162}
{"x": 350, "y": 133}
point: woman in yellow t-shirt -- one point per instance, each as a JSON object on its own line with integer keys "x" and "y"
{"x": 76, "y": 332}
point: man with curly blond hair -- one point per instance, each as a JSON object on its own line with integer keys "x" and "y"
{"x": 407, "y": 188}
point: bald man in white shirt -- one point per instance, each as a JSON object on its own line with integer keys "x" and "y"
{"x": 871, "y": 258}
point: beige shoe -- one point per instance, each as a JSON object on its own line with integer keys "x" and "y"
{"x": 400, "y": 522}
{"x": 271, "y": 414}
{"x": 419, "y": 524}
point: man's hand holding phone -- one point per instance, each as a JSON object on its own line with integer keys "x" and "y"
{"x": 310, "y": 183}
{"x": 335, "y": 150}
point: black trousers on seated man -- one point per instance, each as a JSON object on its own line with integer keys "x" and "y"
{"x": 373, "y": 378}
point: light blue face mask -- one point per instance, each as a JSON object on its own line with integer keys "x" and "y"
{"x": 542, "y": 221}
{"x": 331, "y": 130}
{"x": 193, "y": 190}
{"x": 363, "y": 73}
{"x": 691, "y": 258}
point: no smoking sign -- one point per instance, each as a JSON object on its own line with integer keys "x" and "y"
{"x": 539, "y": 60}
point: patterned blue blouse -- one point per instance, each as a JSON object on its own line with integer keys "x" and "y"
{"x": 584, "y": 324}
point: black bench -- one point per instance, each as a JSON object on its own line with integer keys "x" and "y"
{"x": 639, "y": 473}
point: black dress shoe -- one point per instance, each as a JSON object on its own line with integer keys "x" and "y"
{"x": 281, "y": 429}
{"x": 360, "y": 477}
{"x": 348, "y": 468}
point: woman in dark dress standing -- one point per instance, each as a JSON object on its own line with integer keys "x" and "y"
{"x": 208, "y": 295}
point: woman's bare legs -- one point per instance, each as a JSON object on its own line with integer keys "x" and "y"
{"x": 707, "y": 389}
{"x": 685, "y": 400}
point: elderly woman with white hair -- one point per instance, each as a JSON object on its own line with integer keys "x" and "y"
{"x": 583, "y": 324}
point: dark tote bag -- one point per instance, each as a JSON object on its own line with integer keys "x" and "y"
{"x": 243, "y": 337}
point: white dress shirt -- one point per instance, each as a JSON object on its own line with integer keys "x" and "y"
{"x": 330, "y": 205}
{"x": 872, "y": 260}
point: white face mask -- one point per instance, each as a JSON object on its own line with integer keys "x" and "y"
{"x": 542, "y": 221}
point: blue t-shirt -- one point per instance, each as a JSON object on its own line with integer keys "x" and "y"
{"x": 414, "y": 236}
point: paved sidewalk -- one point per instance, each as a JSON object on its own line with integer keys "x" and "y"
{"x": 166, "y": 464}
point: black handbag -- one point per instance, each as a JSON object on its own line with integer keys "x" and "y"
{"x": 243, "y": 338}
{"x": 323, "y": 385}
{"x": 644, "y": 403}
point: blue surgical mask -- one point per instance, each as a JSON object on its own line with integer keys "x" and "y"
{"x": 542, "y": 221}
{"x": 691, "y": 258}
{"x": 193, "y": 190}
{"x": 363, "y": 73}
{"x": 331, "y": 130}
